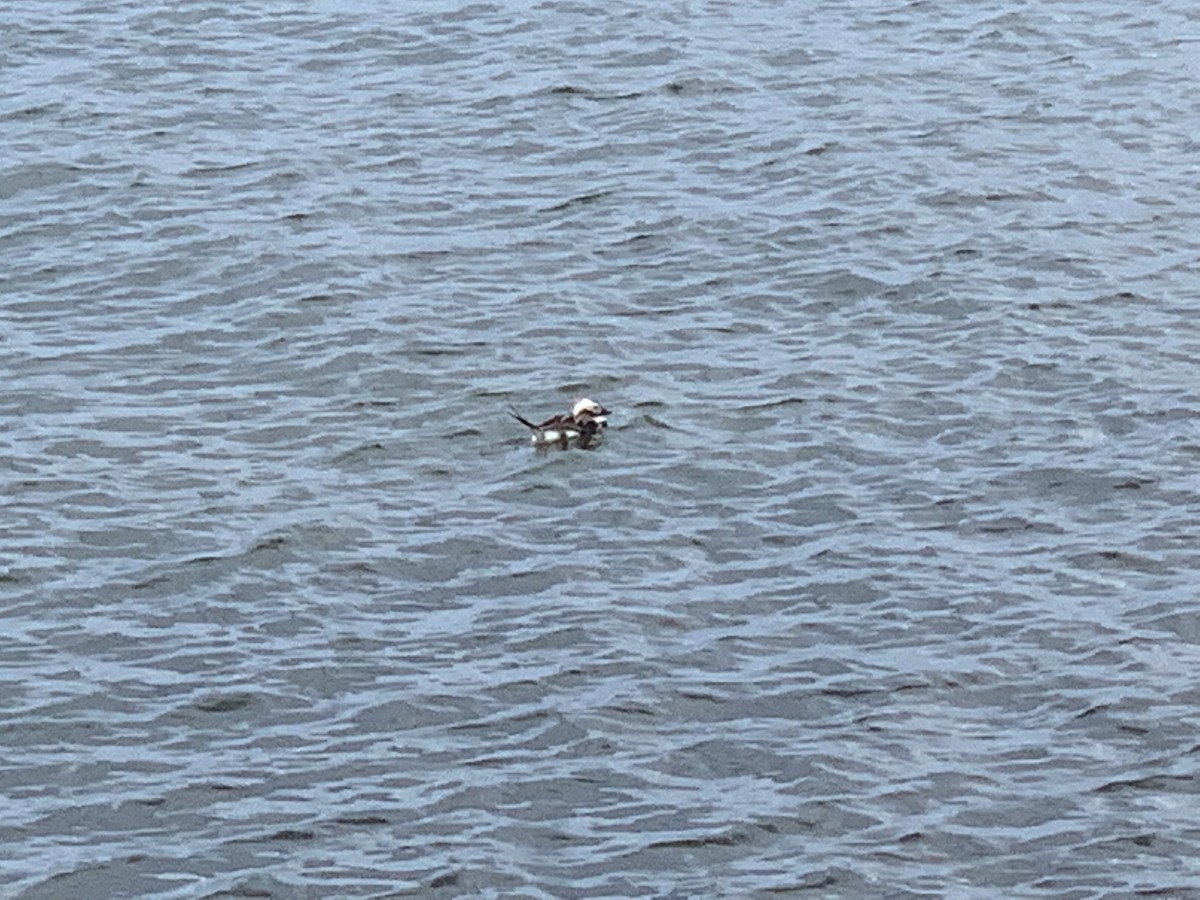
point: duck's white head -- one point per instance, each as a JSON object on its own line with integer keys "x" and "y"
{"x": 589, "y": 409}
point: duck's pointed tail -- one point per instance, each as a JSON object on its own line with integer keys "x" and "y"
{"x": 516, "y": 415}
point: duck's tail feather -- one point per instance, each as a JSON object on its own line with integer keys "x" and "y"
{"x": 516, "y": 415}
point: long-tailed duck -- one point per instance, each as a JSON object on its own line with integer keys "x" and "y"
{"x": 586, "y": 419}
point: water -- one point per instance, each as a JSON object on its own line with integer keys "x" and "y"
{"x": 882, "y": 582}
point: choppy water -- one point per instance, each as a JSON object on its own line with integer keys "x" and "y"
{"x": 882, "y": 583}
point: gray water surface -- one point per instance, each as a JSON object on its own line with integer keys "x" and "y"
{"x": 883, "y": 581}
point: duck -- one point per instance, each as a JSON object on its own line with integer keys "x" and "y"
{"x": 586, "y": 419}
